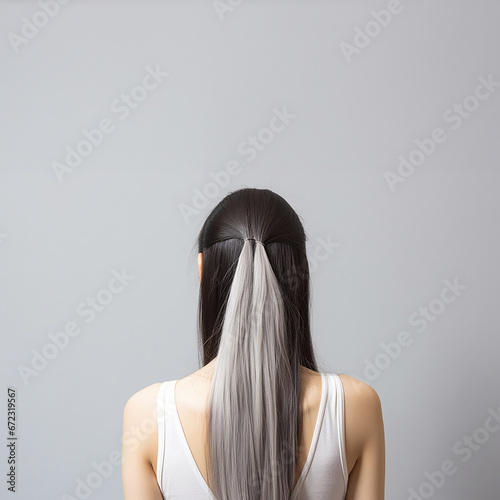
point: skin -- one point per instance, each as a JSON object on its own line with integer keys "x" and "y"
{"x": 364, "y": 431}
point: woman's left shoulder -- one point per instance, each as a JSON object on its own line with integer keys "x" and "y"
{"x": 142, "y": 399}
{"x": 140, "y": 423}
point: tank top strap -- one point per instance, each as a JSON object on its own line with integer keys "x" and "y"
{"x": 165, "y": 406}
{"x": 337, "y": 404}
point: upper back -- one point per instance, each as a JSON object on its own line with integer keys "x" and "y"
{"x": 178, "y": 458}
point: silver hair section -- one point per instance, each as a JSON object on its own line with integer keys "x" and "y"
{"x": 253, "y": 415}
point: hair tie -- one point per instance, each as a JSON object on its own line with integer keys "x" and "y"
{"x": 257, "y": 241}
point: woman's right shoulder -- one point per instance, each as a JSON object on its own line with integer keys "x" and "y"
{"x": 361, "y": 400}
{"x": 358, "y": 392}
{"x": 363, "y": 417}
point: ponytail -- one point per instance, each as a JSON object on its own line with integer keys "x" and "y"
{"x": 253, "y": 404}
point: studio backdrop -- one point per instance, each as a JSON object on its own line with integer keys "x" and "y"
{"x": 123, "y": 123}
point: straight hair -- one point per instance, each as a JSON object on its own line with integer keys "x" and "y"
{"x": 253, "y": 316}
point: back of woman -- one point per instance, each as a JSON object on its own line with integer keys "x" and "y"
{"x": 259, "y": 420}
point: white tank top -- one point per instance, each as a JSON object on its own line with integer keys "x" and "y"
{"x": 324, "y": 476}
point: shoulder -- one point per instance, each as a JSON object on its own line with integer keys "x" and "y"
{"x": 142, "y": 400}
{"x": 140, "y": 432}
{"x": 359, "y": 393}
{"x": 361, "y": 401}
{"x": 363, "y": 415}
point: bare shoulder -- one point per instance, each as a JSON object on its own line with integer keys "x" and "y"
{"x": 363, "y": 418}
{"x": 140, "y": 423}
{"x": 142, "y": 400}
{"x": 359, "y": 393}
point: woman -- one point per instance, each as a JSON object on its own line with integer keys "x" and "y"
{"x": 258, "y": 420}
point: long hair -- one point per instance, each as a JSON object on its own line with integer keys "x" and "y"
{"x": 253, "y": 316}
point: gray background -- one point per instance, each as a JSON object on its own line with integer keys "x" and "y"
{"x": 119, "y": 209}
